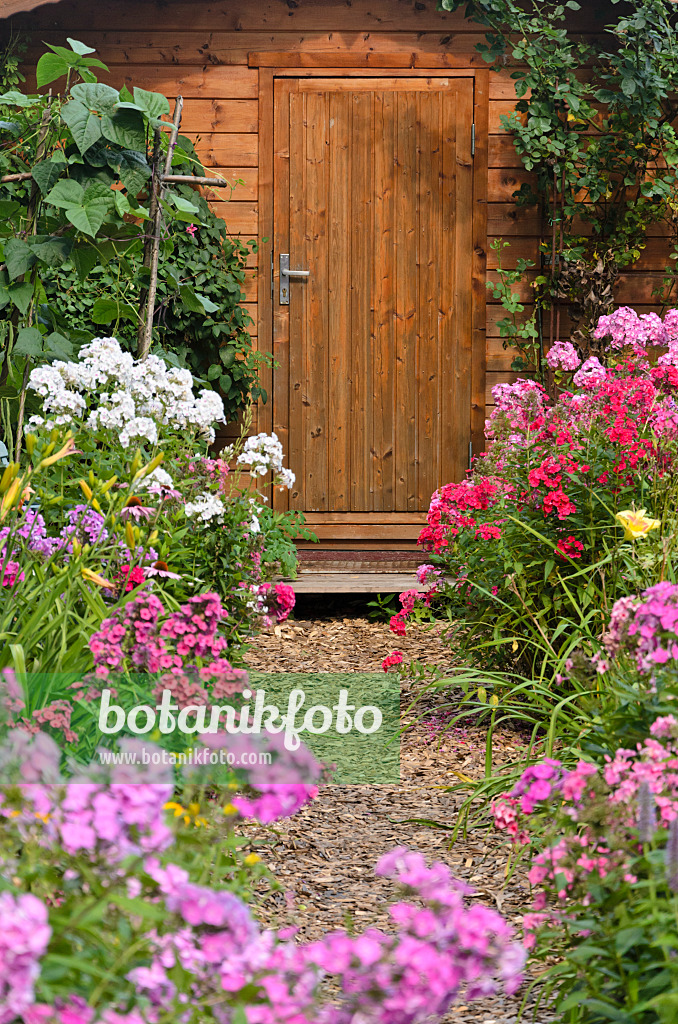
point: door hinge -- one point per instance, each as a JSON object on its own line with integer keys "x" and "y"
{"x": 470, "y": 455}
{"x": 473, "y": 139}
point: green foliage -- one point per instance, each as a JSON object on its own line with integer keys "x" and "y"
{"x": 199, "y": 317}
{"x": 75, "y": 220}
{"x": 594, "y": 122}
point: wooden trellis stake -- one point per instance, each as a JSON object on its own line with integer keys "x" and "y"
{"x": 152, "y": 246}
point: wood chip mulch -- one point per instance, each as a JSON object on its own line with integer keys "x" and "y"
{"x": 324, "y": 856}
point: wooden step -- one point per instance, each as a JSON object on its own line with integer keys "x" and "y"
{"x": 355, "y": 583}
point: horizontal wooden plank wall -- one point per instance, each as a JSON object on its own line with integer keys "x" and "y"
{"x": 201, "y": 49}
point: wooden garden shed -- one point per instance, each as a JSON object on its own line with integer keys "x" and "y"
{"x": 368, "y": 137}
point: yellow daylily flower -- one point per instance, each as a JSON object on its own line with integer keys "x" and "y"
{"x": 190, "y": 814}
{"x": 67, "y": 449}
{"x": 636, "y": 523}
{"x": 94, "y": 577}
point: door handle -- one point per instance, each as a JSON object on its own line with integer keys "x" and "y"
{"x": 285, "y": 275}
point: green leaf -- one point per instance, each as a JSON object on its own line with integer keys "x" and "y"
{"x": 88, "y": 218}
{"x": 58, "y": 346}
{"x": 207, "y": 304}
{"x": 65, "y": 193}
{"x": 4, "y": 290}
{"x": 29, "y": 342}
{"x": 8, "y": 207}
{"x": 46, "y": 173}
{"x": 10, "y": 126}
{"x": 52, "y": 251}
{"x": 628, "y": 86}
{"x": 84, "y": 258}
{"x": 105, "y": 311}
{"x": 126, "y": 128}
{"x": 86, "y": 127}
{"x": 133, "y": 170}
{"x": 97, "y": 96}
{"x": 21, "y": 295}
{"x": 50, "y": 67}
{"x": 190, "y": 299}
{"x": 154, "y": 104}
{"x": 18, "y": 257}
{"x": 227, "y": 355}
{"x": 18, "y": 99}
{"x": 78, "y": 47}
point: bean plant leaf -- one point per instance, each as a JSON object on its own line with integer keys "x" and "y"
{"x": 46, "y": 172}
{"x": 152, "y": 105}
{"x": 84, "y": 258}
{"x": 52, "y": 250}
{"x": 10, "y": 126}
{"x": 18, "y": 99}
{"x": 105, "y": 311}
{"x": 133, "y": 169}
{"x": 80, "y": 48}
{"x": 50, "y": 67}
{"x": 8, "y": 207}
{"x": 126, "y": 128}
{"x": 4, "y": 292}
{"x": 190, "y": 300}
{"x": 207, "y": 304}
{"x": 28, "y": 342}
{"x": 96, "y": 96}
{"x": 65, "y": 193}
{"x": 89, "y": 217}
{"x": 85, "y": 126}
{"x": 58, "y": 346}
{"x": 21, "y": 295}
{"x": 18, "y": 257}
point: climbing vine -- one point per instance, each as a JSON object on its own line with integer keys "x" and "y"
{"x": 594, "y": 122}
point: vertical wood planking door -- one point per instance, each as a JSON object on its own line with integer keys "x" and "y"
{"x": 373, "y": 194}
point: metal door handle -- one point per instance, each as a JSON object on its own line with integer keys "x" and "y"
{"x": 285, "y": 275}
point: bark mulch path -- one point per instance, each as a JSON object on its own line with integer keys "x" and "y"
{"x": 324, "y": 856}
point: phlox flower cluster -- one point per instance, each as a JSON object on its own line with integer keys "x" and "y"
{"x": 646, "y": 627}
{"x": 625, "y": 329}
{"x": 263, "y": 453}
{"x": 598, "y": 815}
{"x": 29, "y": 534}
{"x": 107, "y": 389}
{"x": 183, "y": 649}
{"x": 563, "y": 356}
{"x": 279, "y": 599}
{"x": 206, "y": 947}
{"x": 555, "y": 467}
{"x": 24, "y": 936}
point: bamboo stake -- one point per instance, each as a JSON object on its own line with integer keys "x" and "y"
{"x": 189, "y": 179}
{"x": 23, "y": 176}
{"x": 145, "y": 347}
{"x": 31, "y": 224}
{"x": 148, "y": 239}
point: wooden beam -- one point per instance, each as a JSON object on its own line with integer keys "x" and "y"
{"x": 479, "y": 261}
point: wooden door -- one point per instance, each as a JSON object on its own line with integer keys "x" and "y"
{"x": 373, "y": 196}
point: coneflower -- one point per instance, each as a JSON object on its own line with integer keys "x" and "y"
{"x": 647, "y": 813}
{"x": 671, "y": 857}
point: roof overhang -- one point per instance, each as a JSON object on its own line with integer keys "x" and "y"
{"x": 9, "y": 7}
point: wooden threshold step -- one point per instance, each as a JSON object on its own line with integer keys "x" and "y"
{"x": 355, "y": 583}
